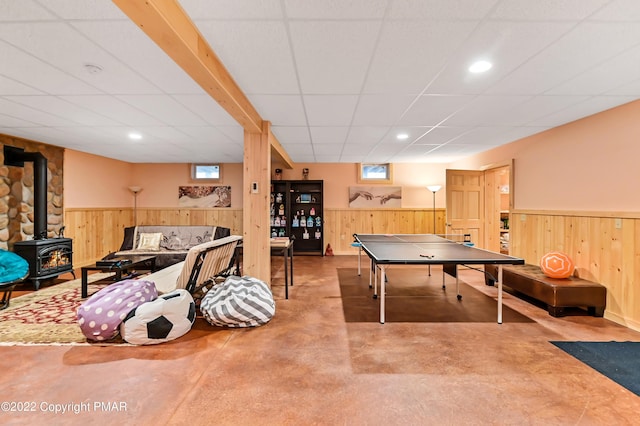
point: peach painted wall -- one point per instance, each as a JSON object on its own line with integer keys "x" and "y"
{"x": 338, "y": 177}
{"x": 93, "y": 181}
{"x": 160, "y": 183}
{"x": 587, "y": 165}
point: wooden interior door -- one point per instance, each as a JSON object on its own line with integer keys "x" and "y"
{"x": 465, "y": 204}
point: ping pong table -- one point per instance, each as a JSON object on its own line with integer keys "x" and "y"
{"x": 428, "y": 249}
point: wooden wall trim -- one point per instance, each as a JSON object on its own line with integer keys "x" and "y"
{"x": 572, "y": 213}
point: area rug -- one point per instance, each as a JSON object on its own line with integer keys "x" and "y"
{"x": 413, "y": 296}
{"x": 619, "y": 361}
{"x": 47, "y": 316}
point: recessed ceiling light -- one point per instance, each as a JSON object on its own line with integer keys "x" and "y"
{"x": 135, "y": 136}
{"x": 480, "y": 66}
{"x": 402, "y": 136}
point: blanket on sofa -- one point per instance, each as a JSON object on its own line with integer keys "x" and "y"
{"x": 169, "y": 243}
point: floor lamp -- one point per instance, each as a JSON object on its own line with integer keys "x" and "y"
{"x": 135, "y": 190}
{"x": 434, "y": 189}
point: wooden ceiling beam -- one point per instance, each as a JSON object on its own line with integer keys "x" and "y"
{"x": 168, "y": 25}
{"x": 278, "y": 154}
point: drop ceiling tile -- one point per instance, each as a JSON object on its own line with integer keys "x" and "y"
{"x": 335, "y": 9}
{"x": 441, "y": 135}
{"x": 328, "y": 135}
{"x": 280, "y": 110}
{"x": 30, "y": 71}
{"x": 366, "y": 135}
{"x": 356, "y": 150}
{"x": 234, "y": 133}
{"x": 604, "y": 77}
{"x": 113, "y": 108}
{"x": 327, "y": 64}
{"x": 582, "y": 109}
{"x": 62, "y": 108}
{"x": 8, "y": 121}
{"x": 292, "y": 135}
{"x": 578, "y": 51}
{"x": 506, "y": 44}
{"x": 325, "y": 110}
{"x": 256, "y": 53}
{"x": 326, "y": 150}
{"x": 619, "y": 10}
{"x": 232, "y": 9}
{"x": 407, "y": 58}
{"x": 19, "y": 111}
{"x": 204, "y": 135}
{"x": 206, "y": 108}
{"x": 381, "y": 110}
{"x": 28, "y": 10}
{"x": 547, "y": 10}
{"x": 126, "y": 42}
{"x": 164, "y": 109}
{"x": 11, "y": 87}
{"x": 61, "y": 46}
{"x": 432, "y": 109}
{"x": 437, "y": 9}
{"x": 535, "y": 108}
{"x": 485, "y": 110}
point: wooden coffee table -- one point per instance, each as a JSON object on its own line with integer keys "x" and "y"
{"x": 145, "y": 263}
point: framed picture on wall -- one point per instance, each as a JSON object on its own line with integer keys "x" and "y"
{"x": 204, "y": 196}
{"x": 375, "y": 196}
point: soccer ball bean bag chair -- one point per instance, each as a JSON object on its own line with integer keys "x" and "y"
{"x": 238, "y": 302}
{"x": 556, "y": 265}
{"x": 101, "y": 314}
{"x": 166, "y": 318}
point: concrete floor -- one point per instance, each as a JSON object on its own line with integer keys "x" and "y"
{"x": 308, "y": 366}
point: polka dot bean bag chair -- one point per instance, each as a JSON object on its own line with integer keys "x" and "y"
{"x": 238, "y": 302}
{"x": 168, "y": 317}
{"x": 101, "y": 314}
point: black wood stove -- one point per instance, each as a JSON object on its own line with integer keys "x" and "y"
{"x": 47, "y": 257}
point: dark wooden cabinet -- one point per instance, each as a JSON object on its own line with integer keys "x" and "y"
{"x": 297, "y": 213}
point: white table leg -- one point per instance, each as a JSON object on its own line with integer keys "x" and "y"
{"x": 382, "y": 295}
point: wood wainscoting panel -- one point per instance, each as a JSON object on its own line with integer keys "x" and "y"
{"x": 604, "y": 248}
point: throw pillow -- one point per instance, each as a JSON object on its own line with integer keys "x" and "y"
{"x": 149, "y": 241}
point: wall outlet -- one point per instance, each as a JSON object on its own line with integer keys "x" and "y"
{"x": 523, "y": 217}
{"x": 254, "y": 187}
{"x": 618, "y": 223}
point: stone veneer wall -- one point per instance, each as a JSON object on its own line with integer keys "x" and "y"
{"x": 16, "y": 193}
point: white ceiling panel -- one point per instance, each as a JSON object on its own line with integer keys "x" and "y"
{"x": 245, "y": 47}
{"x": 286, "y": 110}
{"x": 326, "y": 62}
{"x": 163, "y": 108}
{"x": 126, "y": 42}
{"x": 113, "y": 108}
{"x": 485, "y": 110}
{"x": 438, "y": 10}
{"x": 370, "y": 135}
{"x": 205, "y": 107}
{"x": 547, "y": 10}
{"x": 63, "y": 108}
{"x": 233, "y": 9}
{"x": 410, "y": 70}
{"x": 337, "y": 80}
{"x": 432, "y": 109}
{"x": 381, "y": 110}
{"x": 292, "y": 134}
{"x": 325, "y": 110}
{"x": 335, "y": 9}
{"x": 328, "y": 135}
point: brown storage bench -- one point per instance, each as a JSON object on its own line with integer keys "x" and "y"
{"x": 557, "y": 294}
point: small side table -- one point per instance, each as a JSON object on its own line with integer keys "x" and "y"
{"x": 145, "y": 263}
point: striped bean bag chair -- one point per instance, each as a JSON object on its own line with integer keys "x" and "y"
{"x": 238, "y": 302}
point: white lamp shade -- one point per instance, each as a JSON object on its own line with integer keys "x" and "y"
{"x": 434, "y": 188}
{"x": 135, "y": 189}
